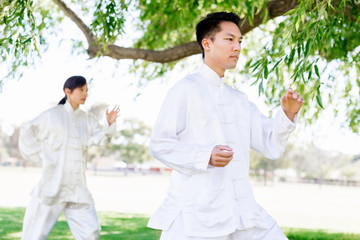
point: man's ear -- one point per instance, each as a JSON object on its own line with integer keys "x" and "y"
{"x": 206, "y": 44}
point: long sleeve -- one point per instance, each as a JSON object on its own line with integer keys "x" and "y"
{"x": 31, "y": 135}
{"x": 269, "y": 136}
{"x": 99, "y": 133}
{"x": 168, "y": 142}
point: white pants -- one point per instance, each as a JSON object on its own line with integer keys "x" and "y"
{"x": 40, "y": 219}
{"x": 176, "y": 232}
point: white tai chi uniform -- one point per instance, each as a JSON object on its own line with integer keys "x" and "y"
{"x": 59, "y": 137}
{"x": 205, "y": 202}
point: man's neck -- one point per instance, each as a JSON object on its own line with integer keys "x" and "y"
{"x": 219, "y": 71}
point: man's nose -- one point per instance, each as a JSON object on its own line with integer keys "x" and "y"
{"x": 237, "y": 47}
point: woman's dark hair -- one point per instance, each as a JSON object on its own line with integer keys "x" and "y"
{"x": 209, "y": 25}
{"x": 72, "y": 83}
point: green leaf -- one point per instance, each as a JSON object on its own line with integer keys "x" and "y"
{"x": 251, "y": 12}
{"x": 319, "y": 100}
{"x": 256, "y": 67}
{"x": 291, "y": 57}
{"x": 276, "y": 64}
{"x": 299, "y": 50}
{"x": 291, "y": 12}
{"x": 261, "y": 88}
{"x": 307, "y": 47}
{"x": 297, "y": 25}
{"x": 317, "y": 70}
{"x": 256, "y": 63}
{"x": 266, "y": 72}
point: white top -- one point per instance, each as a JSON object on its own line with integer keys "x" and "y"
{"x": 59, "y": 137}
{"x": 199, "y": 112}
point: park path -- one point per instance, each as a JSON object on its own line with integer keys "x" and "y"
{"x": 333, "y": 208}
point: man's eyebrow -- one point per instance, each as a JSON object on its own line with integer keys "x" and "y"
{"x": 232, "y": 35}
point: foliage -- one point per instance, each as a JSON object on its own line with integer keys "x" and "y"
{"x": 22, "y": 26}
{"x": 120, "y": 226}
{"x": 313, "y": 48}
{"x": 11, "y": 143}
{"x": 319, "y": 164}
{"x": 301, "y": 45}
{"x": 309, "y": 162}
{"x": 132, "y": 142}
{"x": 168, "y": 23}
{"x": 108, "y": 20}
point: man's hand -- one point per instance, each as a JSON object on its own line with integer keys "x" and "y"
{"x": 291, "y": 103}
{"x": 112, "y": 116}
{"x": 221, "y": 155}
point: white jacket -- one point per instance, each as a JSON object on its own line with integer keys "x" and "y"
{"x": 199, "y": 112}
{"x": 59, "y": 137}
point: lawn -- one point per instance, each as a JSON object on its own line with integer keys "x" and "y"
{"x": 132, "y": 227}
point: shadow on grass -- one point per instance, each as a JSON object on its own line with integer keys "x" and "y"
{"x": 126, "y": 226}
{"x": 113, "y": 226}
{"x": 121, "y": 226}
{"x": 11, "y": 223}
{"x": 305, "y": 234}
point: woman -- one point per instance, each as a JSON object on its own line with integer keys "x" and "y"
{"x": 59, "y": 137}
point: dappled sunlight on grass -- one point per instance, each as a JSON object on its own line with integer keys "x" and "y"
{"x": 125, "y": 226}
{"x": 114, "y": 225}
{"x": 306, "y": 234}
{"x": 11, "y": 223}
{"x": 121, "y": 226}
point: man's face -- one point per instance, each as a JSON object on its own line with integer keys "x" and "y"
{"x": 224, "y": 47}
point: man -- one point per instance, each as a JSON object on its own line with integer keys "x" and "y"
{"x": 204, "y": 132}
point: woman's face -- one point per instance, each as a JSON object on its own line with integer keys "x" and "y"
{"x": 78, "y": 95}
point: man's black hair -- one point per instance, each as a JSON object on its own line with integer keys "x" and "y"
{"x": 209, "y": 25}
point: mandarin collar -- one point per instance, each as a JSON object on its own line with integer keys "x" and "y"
{"x": 70, "y": 109}
{"x": 210, "y": 74}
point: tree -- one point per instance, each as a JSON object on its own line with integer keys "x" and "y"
{"x": 266, "y": 167}
{"x": 11, "y": 144}
{"x": 316, "y": 164}
{"x": 98, "y": 112}
{"x": 132, "y": 142}
{"x": 3, "y": 151}
{"x": 294, "y": 41}
{"x": 261, "y": 165}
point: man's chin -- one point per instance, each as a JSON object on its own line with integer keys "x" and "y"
{"x": 231, "y": 66}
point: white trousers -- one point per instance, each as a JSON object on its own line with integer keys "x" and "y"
{"x": 176, "y": 232}
{"x": 40, "y": 219}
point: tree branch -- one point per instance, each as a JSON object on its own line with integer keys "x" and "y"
{"x": 72, "y": 15}
{"x": 275, "y": 8}
{"x": 163, "y": 56}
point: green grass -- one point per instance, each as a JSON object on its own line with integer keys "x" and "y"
{"x": 115, "y": 225}
{"x": 132, "y": 227}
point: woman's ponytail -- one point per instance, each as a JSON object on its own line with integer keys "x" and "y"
{"x": 62, "y": 101}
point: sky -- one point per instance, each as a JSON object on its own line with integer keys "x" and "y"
{"x": 41, "y": 88}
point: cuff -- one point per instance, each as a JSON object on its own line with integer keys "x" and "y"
{"x": 284, "y": 122}
{"x": 203, "y": 158}
{"x": 109, "y": 129}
